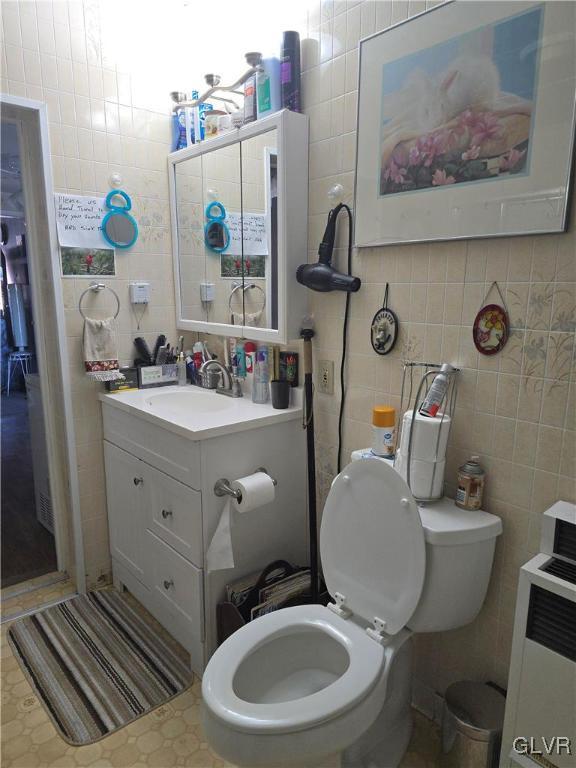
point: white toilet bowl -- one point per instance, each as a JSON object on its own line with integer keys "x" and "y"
{"x": 297, "y": 685}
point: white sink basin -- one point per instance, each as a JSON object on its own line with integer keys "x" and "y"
{"x": 200, "y": 413}
{"x": 183, "y": 403}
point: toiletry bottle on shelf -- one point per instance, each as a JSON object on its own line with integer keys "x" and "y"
{"x": 290, "y": 71}
{"x": 383, "y": 430}
{"x": 437, "y": 392}
{"x": 471, "y": 479}
{"x": 182, "y": 375}
{"x": 260, "y": 386}
{"x": 179, "y": 137}
{"x": 250, "y": 109}
{"x": 240, "y": 359}
{"x": 268, "y": 88}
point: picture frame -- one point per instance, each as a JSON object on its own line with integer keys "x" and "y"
{"x": 465, "y": 130}
{"x": 87, "y": 262}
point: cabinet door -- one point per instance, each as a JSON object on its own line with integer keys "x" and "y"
{"x": 175, "y": 514}
{"x": 127, "y": 507}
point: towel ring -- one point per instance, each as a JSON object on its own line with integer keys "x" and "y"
{"x": 96, "y": 288}
{"x": 245, "y": 288}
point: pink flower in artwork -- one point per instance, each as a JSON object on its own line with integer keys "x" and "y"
{"x": 471, "y": 154}
{"x": 486, "y": 127}
{"x": 397, "y": 174}
{"x": 414, "y": 156}
{"x": 431, "y": 145}
{"x": 511, "y": 159}
{"x": 440, "y": 179}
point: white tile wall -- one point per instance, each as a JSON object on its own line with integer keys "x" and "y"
{"x": 517, "y": 409}
{"x": 59, "y": 52}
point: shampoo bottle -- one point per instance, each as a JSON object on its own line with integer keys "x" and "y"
{"x": 268, "y": 89}
{"x": 260, "y": 385}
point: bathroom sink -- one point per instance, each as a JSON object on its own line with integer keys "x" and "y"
{"x": 183, "y": 402}
{"x": 200, "y": 413}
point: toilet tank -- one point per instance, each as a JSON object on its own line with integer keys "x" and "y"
{"x": 460, "y": 547}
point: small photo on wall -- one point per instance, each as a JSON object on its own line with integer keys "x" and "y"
{"x": 231, "y": 266}
{"x": 88, "y": 262}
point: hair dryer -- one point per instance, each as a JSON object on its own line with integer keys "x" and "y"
{"x": 322, "y": 276}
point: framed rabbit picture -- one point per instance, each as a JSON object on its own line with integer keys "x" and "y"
{"x": 466, "y": 123}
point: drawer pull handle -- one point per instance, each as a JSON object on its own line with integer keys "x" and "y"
{"x": 168, "y": 584}
{"x": 138, "y": 480}
{"x": 166, "y": 513}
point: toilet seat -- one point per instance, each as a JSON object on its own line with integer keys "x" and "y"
{"x": 366, "y": 661}
{"x": 372, "y": 545}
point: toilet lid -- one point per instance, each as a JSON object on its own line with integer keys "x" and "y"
{"x": 372, "y": 544}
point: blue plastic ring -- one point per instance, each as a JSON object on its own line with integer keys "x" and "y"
{"x": 208, "y": 212}
{"x": 114, "y": 193}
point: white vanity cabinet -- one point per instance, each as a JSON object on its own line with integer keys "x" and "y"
{"x": 162, "y": 514}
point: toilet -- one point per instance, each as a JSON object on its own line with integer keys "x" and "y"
{"x": 303, "y": 683}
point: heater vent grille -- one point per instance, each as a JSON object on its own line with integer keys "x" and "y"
{"x": 552, "y": 622}
{"x": 561, "y": 569}
{"x": 565, "y": 539}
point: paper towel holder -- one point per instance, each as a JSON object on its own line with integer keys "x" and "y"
{"x": 222, "y": 487}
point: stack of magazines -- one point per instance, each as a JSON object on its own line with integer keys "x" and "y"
{"x": 253, "y": 598}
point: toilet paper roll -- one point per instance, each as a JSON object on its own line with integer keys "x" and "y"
{"x": 421, "y": 473}
{"x": 257, "y": 490}
{"x": 429, "y": 436}
{"x": 220, "y": 554}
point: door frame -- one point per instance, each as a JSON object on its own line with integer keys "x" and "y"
{"x": 32, "y": 117}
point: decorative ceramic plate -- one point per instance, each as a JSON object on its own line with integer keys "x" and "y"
{"x": 384, "y": 331}
{"x": 490, "y": 331}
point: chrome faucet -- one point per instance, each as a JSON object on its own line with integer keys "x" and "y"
{"x": 233, "y": 388}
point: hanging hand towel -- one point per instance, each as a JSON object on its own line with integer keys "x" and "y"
{"x": 100, "y": 353}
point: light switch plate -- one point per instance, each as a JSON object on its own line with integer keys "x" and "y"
{"x": 326, "y": 377}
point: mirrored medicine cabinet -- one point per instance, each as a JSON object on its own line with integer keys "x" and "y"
{"x": 239, "y": 205}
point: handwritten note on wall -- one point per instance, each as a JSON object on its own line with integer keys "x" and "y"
{"x": 253, "y": 226}
{"x": 79, "y": 220}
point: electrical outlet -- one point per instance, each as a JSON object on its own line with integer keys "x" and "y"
{"x": 326, "y": 377}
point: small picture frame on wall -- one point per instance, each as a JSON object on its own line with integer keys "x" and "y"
{"x": 466, "y": 119}
{"x": 87, "y": 262}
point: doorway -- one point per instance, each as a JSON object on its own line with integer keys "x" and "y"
{"x": 28, "y": 543}
{"x": 41, "y": 522}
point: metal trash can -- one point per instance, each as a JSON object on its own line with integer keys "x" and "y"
{"x": 472, "y": 726}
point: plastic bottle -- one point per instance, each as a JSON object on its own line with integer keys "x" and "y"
{"x": 179, "y": 139}
{"x": 250, "y": 109}
{"x": 437, "y": 392}
{"x": 182, "y": 372}
{"x": 268, "y": 88}
{"x": 383, "y": 430}
{"x": 260, "y": 386}
{"x": 290, "y": 71}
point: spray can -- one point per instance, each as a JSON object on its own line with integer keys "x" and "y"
{"x": 437, "y": 392}
{"x": 471, "y": 478}
{"x": 383, "y": 430}
{"x": 290, "y": 71}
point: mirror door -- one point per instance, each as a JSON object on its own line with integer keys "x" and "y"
{"x": 259, "y": 157}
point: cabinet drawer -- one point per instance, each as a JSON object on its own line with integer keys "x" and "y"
{"x": 177, "y": 588}
{"x": 178, "y": 456}
{"x": 175, "y": 514}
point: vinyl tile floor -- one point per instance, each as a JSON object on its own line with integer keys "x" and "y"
{"x": 167, "y": 737}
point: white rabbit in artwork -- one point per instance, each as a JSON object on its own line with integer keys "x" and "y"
{"x": 470, "y": 82}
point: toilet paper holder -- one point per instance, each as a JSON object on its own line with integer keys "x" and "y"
{"x": 222, "y": 486}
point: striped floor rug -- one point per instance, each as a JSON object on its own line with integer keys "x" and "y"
{"x": 96, "y": 665}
